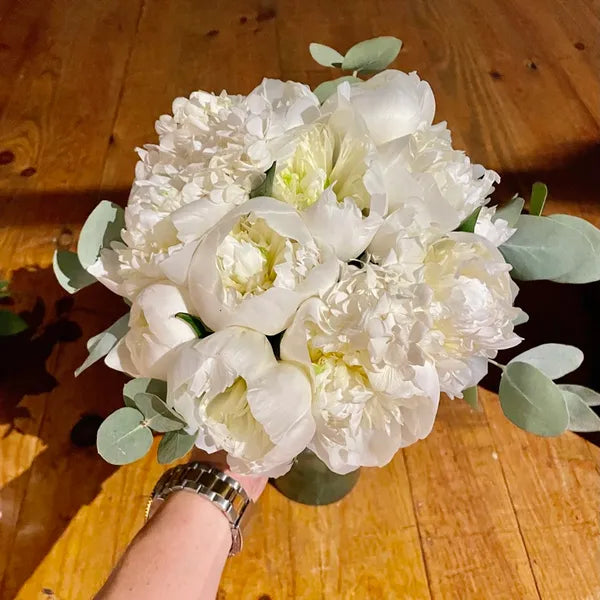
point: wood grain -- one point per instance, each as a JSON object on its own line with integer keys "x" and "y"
{"x": 479, "y": 509}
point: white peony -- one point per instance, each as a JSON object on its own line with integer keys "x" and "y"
{"x": 328, "y": 172}
{"x": 496, "y": 231}
{"x": 256, "y": 266}
{"x": 211, "y": 153}
{"x": 154, "y": 331}
{"x": 471, "y": 308}
{"x": 393, "y": 104}
{"x": 374, "y": 388}
{"x": 236, "y": 397}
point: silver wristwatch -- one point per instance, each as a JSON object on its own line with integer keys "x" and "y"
{"x": 214, "y": 485}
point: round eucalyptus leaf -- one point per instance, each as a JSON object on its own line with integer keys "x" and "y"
{"x": 122, "y": 438}
{"x": 372, "y": 55}
{"x": 326, "y": 56}
{"x": 10, "y": 323}
{"x": 328, "y": 88}
{"x": 581, "y": 417}
{"x": 510, "y": 211}
{"x": 590, "y": 397}
{"x": 470, "y": 397}
{"x": 174, "y": 445}
{"x": 554, "y": 360}
{"x": 140, "y": 385}
{"x": 532, "y": 401}
{"x": 69, "y": 273}
{"x": 588, "y": 267}
{"x": 157, "y": 415}
{"x": 543, "y": 248}
{"x": 103, "y": 226}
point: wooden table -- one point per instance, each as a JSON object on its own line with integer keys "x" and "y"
{"x": 480, "y": 510}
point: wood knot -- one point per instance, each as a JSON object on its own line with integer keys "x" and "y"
{"x": 6, "y": 157}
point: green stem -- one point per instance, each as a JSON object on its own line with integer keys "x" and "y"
{"x": 497, "y": 364}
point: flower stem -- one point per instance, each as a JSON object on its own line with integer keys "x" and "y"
{"x": 497, "y": 364}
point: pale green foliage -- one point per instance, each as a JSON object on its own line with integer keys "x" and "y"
{"x": 174, "y": 445}
{"x": 69, "y": 273}
{"x": 123, "y": 438}
{"x": 554, "y": 360}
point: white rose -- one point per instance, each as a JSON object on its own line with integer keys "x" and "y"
{"x": 471, "y": 308}
{"x": 236, "y": 397}
{"x": 375, "y": 391}
{"x": 256, "y": 266}
{"x": 154, "y": 331}
{"x": 393, "y": 104}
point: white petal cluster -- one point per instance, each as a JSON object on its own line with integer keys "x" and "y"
{"x": 352, "y": 254}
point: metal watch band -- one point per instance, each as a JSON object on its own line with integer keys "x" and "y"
{"x": 214, "y": 485}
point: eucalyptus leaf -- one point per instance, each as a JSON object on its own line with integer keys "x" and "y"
{"x": 554, "y": 360}
{"x": 10, "y": 323}
{"x": 69, "y": 272}
{"x": 581, "y": 417}
{"x": 174, "y": 445}
{"x": 469, "y": 223}
{"x": 100, "y": 345}
{"x": 198, "y": 327}
{"x": 588, "y": 266}
{"x": 157, "y": 415}
{"x": 372, "y": 55}
{"x": 510, "y": 211}
{"x": 102, "y": 227}
{"x": 328, "y": 88}
{"x": 122, "y": 438}
{"x": 543, "y": 248}
{"x": 539, "y": 193}
{"x": 141, "y": 385}
{"x": 590, "y": 397}
{"x": 266, "y": 187}
{"x": 470, "y": 397}
{"x": 532, "y": 401}
{"x": 326, "y": 56}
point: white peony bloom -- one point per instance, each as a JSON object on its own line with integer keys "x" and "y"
{"x": 328, "y": 171}
{"x": 256, "y": 266}
{"x": 375, "y": 390}
{"x": 471, "y": 308}
{"x": 236, "y": 397}
{"x": 211, "y": 153}
{"x": 154, "y": 331}
{"x": 393, "y": 104}
{"x": 495, "y": 231}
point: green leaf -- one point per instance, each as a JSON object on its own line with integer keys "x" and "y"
{"x": 266, "y": 187}
{"x": 326, "y": 56}
{"x": 157, "y": 414}
{"x": 11, "y": 324}
{"x": 69, "y": 273}
{"x": 543, "y": 248}
{"x": 327, "y": 88}
{"x": 198, "y": 327}
{"x": 102, "y": 227}
{"x": 4, "y": 289}
{"x": 470, "y": 396}
{"x": 122, "y": 438}
{"x": 510, "y": 211}
{"x": 469, "y": 223}
{"x": 521, "y": 318}
{"x": 100, "y": 345}
{"x": 532, "y": 401}
{"x": 590, "y": 397}
{"x": 174, "y": 445}
{"x": 581, "y": 417}
{"x": 554, "y": 360}
{"x": 372, "y": 55}
{"x": 141, "y": 385}
{"x": 539, "y": 193}
{"x": 588, "y": 265}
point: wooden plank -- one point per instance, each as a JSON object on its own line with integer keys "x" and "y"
{"x": 555, "y": 489}
{"x": 471, "y": 539}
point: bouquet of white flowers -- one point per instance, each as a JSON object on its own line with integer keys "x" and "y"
{"x": 310, "y": 270}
